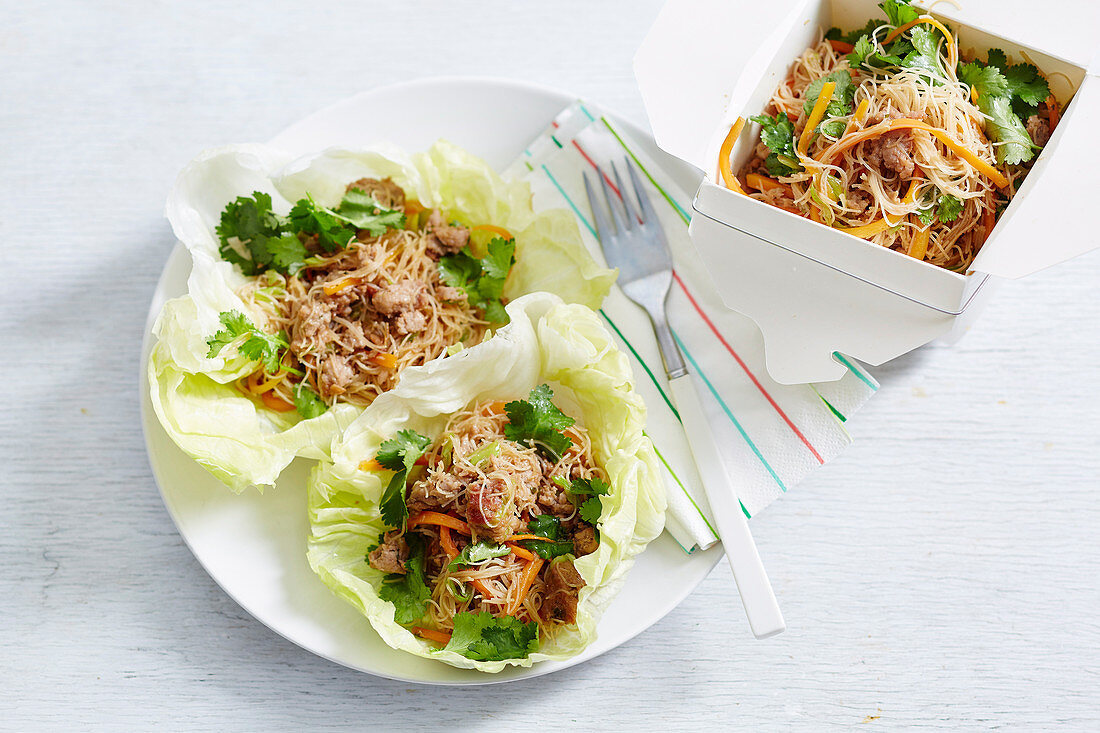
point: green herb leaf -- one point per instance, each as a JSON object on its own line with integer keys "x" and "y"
{"x": 840, "y": 105}
{"x": 548, "y": 526}
{"x": 308, "y": 403}
{"x": 392, "y": 505}
{"x": 1007, "y": 94}
{"x": 476, "y": 553}
{"x": 286, "y": 253}
{"x": 482, "y": 279}
{"x": 899, "y": 12}
{"x": 588, "y": 487}
{"x": 258, "y": 346}
{"x": 591, "y": 510}
{"x": 949, "y": 208}
{"x": 409, "y": 593}
{"x": 861, "y": 49}
{"x": 400, "y": 453}
{"x": 925, "y": 55}
{"x": 537, "y": 423}
{"x": 251, "y": 222}
{"x": 361, "y": 210}
{"x": 545, "y": 525}
{"x": 482, "y": 637}
{"x": 333, "y": 231}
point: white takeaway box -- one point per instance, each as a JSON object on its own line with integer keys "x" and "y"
{"x": 813, "y": 290}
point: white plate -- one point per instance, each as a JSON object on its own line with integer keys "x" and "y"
{"x": 253, "y": 545}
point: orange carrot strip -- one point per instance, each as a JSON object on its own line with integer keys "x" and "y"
{"x": 1052, "y": 111}
{"x": 763, "y": 183}
{"x": 866, "y": 230}
{"x": 337, "y": 287}
{"x": 818, "y": 112}
{"x": 447, "y": 543}
{"x": 522, "y": 553}
{"x": 501, "y": 231}
{"x": 443, "y": 520}
{"x": 270, "y": 384}
{"x": 724, "y": 156}
{"x": 890, "y": 125}
{"x": 521, "y": 537}
{"x": 383, "y": 359}
{"x": 481, "y": 587}
{"x": 918, "y": 248}
{"x": 841, "y": 46}
{"x": 412, "y": 208}
{"x": 273, "y": 402}
{"x": 496, "y": 407}
{"x": 371, "y": 465}
{"x": 441, "y": 637}
{"x": 857, "y": 117}
{"x": 525, "y": 581}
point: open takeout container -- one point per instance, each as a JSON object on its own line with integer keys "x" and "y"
{"x": 813, "y": 290}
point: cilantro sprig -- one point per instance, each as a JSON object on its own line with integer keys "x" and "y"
{"x": 548, "y": 526}
{"x": 477, "y": 552}
{"x": 840, "y": 105}
{"x": 777, "y": 133}
{"x": 254, "y": 238}
{"x": 481, "y": 278}
{"x": 257, "y": 345}
{"x": 409, "y": 593}
{"x": 594, "y": 488}
{"x": 399, "y": 454}
{"x": 1008, "y": 94}
{"x": 537, "y": 423}
{"x": 483, "y": 637}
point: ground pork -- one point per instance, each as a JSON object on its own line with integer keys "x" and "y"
{"x": 1039, "y": 130}
{"x": 387, "y": 193}
{"x": 445, "y": 239}
{"x": 891, "y": 152}
{"x": 437, "y": 490}
{"x": 390, "y": 556}
{"x": 584, "y": 540}
{"x": 336, "y": 374}
{"x": 491, "y": 510}
{"x": 563, "y": 584}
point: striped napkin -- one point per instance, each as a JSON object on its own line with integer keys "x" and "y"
{"x": 773, "y": 434}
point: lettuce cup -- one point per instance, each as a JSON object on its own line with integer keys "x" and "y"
{"x": 486, "y": 510}
{"x": 317, "y": 282}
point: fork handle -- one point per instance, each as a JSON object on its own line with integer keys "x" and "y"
{"x": 670, "y": 351}
{"x": 765, "y": 618}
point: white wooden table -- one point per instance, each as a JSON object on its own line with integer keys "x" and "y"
{"x": 941, "y": 574}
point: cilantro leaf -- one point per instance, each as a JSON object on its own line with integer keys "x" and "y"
{"x": 861, "y": 49}
{"x": 777, "y": 133}
{"x": 835, "y": 34}
{"x": 251, "y": 222}
{"x": 400, "y": 453}
{"x": 1006, "y": 94}
{"x": 409, "y": 593}
{"x": 333, "y": 231}
{"x": 258, "y": 346}
{"x": 899, "y": 12}
{"x": 949, "y": 208}
{"x": 482, "y": 279}
{"x": 392, "y": 505}
{"x": 591, "y": 510}
{"x": 477, "y": 552}
{"x": 308, "y": 403}
{"x": 537, "y": 422}
{"x": 840, "y": 104}
{"x": 286, "y": 253}
{"x": 588, "y": 487}
{"x": 482, "y": 637}
{"x": 361, "y": 210}
{"x": 925, "y": 55}
{"x": 548, "y": 526}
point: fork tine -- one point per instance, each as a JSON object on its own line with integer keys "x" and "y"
{"x": 632, "y": 216}
{"x": 649, "y": 214}
{"x": 620, "y": 226}
{"x": 603, "y": 228}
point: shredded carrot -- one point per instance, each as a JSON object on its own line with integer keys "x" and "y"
{"x": 763, "y": 183}
{"x": 383, "y": 359}
{"x": 724, "y": 156}
{"x": 520, "y": 537}
{"x": 339, "y": 286}
{"x": 818, "y": 112}
{"x": 371, "y": 465}
{"x": 918, "y": 248}
{"x": 276, "y": 404}
{"x": 1052, "y": 111}
{"x": 441, "y": 637}
{"x": 447, "y": 543}
{"x": 520, "y": 552}
{"x": 270, "y": 384}
{"x": 525, "y": 581}
{"x": 866, "y": 230}
{"x": 500, "y": 231}
{"x": 412, "y": 208}
{"x": 857, "y": 117}
{"x": 841, "y": 46}
{"x": 481, "y": 587}
{"x": 885, "y": 126}
{"x": 444, "y": 520}
{"x": 930, "y": 21}
{"x": 496, "y": 407}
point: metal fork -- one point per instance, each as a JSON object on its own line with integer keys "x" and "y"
{"x": 636, "y": 244}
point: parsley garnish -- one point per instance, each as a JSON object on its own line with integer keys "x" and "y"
{"x": 537, "y": 423}
{"x": 548, "y": 526}
{"x": 409, "y": 593}
{"x": 592, "y": 507}
{"x": 477, "y": 552}
{"x": 777, "y": 133}
{"x": 942, "y": 206}
{"x": 333, "y": 231}
{"x": 258, "y": 346}
{"x": 399, "y": 454}
{"x": 308, "y": 403}
{"x": 482, "y": 279}
{"x": 1007, "y": 94}
{"x": 482, "y": 637}
{"x": 252, "y": 222}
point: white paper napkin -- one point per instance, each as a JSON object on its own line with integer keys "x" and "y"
{"x": 774, "y": 434}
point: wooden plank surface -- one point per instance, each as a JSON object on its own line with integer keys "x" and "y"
{"x": 942, "y": 574}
